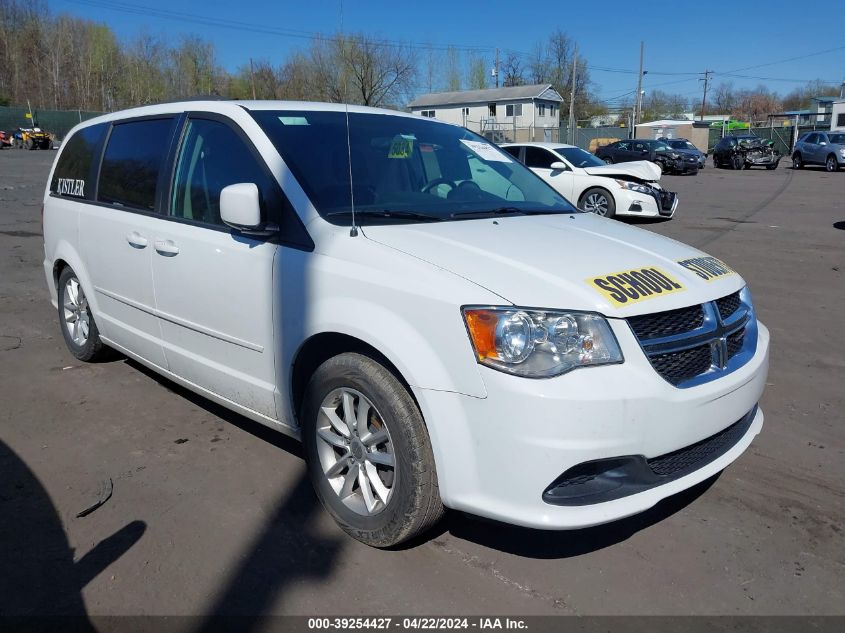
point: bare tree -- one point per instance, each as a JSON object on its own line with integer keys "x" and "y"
{"x": 513, "y": 72}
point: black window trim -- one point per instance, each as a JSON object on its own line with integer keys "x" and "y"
{"x": 167, "y": 174}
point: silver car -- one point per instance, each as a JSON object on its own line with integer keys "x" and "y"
{"x": 820, "y": 148}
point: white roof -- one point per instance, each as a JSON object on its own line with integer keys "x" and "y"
{"x": 665, "y": 123}
{"x": 539, "y": 144}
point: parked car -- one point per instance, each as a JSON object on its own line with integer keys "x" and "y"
{"x": 820, "y": 148}
{"x": 686, "y": 148}
{"x": 745, "y": 152}
{"x": 585, "y": 180}
{"x": 439, "y": 326}
{"x": 670, "y": 161}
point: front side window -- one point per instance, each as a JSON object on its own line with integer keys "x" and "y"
{"x": 539, "y": 158}
{"x": 513, "y": 150}
{"x": 72, "y": 174}
{"x": 812, "y": 139}
{"x": 212, "y": 157}
{"x": 402, "y": 168}
{"x": 132, "y": 162}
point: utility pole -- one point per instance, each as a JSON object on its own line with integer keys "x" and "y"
{"x": 572, "y": 97}
{"x": 638, "y": 101}
{"x": 497, "y": 68}
{"x": 252, "y": 78}
{"x": 706, "y": 80}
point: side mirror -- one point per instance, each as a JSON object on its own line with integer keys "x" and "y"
{"x": 240, "y": 208}
{"x": 822, "y": 142}
{"x": 558, "y": 165}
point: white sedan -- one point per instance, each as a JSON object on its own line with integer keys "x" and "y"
{"x": 630, "y": 189}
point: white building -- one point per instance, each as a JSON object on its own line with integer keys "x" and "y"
{"x": 535, "y": 107}
{"x": 837, "y": 116}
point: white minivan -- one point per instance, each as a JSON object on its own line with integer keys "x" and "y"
{"x": 437, "y": 324}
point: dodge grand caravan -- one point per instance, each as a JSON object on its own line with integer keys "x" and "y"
{"x": 438, "y": 325}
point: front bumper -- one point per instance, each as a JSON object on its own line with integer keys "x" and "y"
{"x": 496, "y": 456}
{"x": 769, "y": 159}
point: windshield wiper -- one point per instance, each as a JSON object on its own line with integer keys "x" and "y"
{"x": 388, "y": 213}
{"x": 501, "y": 211}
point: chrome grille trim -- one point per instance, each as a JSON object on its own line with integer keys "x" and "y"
{"x": 715, "y": 332}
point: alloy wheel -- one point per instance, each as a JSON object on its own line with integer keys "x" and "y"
{"x": 356, "y": 452}
{"x": 76, "y": 312}
{"x": 831, "y": 163}
{"x": 596, "y": 203}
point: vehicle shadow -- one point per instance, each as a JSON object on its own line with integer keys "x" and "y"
{"x": 39, "y": 576}
{"x": 279, "y": 440}
{"x": 839, "y": 225}
{"x": 547, "y": 544}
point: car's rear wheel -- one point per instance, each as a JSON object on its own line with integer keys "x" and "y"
{"x": 368, "y": 453}
{"x": 76, "y": 321}
{"x": 598, "y": 201}
{"x": 797, "y": 162}
{"x": 608, "y": 160}
{"x": 831, "y": 164}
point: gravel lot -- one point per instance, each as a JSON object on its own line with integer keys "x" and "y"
{"x": 212, "y": 514}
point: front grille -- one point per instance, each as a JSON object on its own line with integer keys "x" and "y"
{"x": 677, "y": 367}
{"x": 667, "y": 323}
{"x": 735, "y": 342}
{"x": 728, "y": 305}
{"x": 696, "y": 344}
{"x": 701, "y": 453}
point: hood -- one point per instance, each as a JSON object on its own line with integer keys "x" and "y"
{"x": 575, "y": 261}
{"x": 641, "y": 169}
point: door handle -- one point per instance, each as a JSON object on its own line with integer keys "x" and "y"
{"x": 137, "y": 240}
{"x": 167, "y": 248}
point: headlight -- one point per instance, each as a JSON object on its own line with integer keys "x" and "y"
{"x": 633, "y": 186}
{"x": 539, "y": 344}
{"x": 842, "y": 151}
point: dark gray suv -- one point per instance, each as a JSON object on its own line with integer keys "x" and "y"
{"x": 820, "y": 148}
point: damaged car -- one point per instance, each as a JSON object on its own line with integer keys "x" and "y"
{"x": 630, "y": 188}
{"x": 745, "y": 152}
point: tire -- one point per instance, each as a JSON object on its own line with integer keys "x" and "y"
{"x": 407, "y": 501}
{"x": 663, "y": 168}
{"x": 773, "y": 166}
{"x": 599, "y": 201}
{"x": 797, "y": 161}
{"x": 831, "y": 164}
{"x": 608, "y": 160}
{"x": 73, "y": 304}
{"x": 737, "y": 162}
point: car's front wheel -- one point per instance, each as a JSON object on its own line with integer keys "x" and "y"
{"x": 737, "y": 161}
{"x": 598, "y": 201}
{"x": 368, "y": 453}
{"x": 831, "y": 164}
{"x": 76, "y": 321}
{"x": 797, "y": 162}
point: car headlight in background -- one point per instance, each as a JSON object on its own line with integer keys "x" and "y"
{"x": 539, "y": 343}
{"x": 842, "y": 152}
{"x": 633, "y": 186}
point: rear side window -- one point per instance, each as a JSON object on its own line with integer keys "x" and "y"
{"x": 132, "y": 162}
{"x": 538, "y": 157}
{"x": 72, "y": 176}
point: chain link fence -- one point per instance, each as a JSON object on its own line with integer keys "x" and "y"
{"x": 511, "y": 133}
{"x": 56, "y": 122}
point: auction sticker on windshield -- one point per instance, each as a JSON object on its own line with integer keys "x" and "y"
{"x": 638, "y": 284}
{"x": 486, "y": 151}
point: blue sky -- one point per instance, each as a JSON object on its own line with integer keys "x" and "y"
{"x": 727, "y": 36}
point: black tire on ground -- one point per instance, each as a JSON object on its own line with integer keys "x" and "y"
{"x": 93, "y": 349}
{"x": 608, "y": 160}
{"x": 797, "y": 161}
{"x": 414, "y": 503}
{"x": 598, "y": 194}
{"x": 737, "y": 161}
{"x": 773, "y": 166}
{"x": 831, "y": 164}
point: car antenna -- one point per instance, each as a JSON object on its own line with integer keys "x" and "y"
{"x": 353, "y": 231}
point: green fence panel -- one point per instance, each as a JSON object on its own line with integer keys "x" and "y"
{"x": 56, "y": 122}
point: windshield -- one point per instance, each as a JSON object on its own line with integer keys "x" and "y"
{"x": 838, "y": 139}
{"x": 579, "y": 157}
{"x": 661, "y": 147}
{"x": 683, "y": 145}
{"x": 403, "y": 168}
